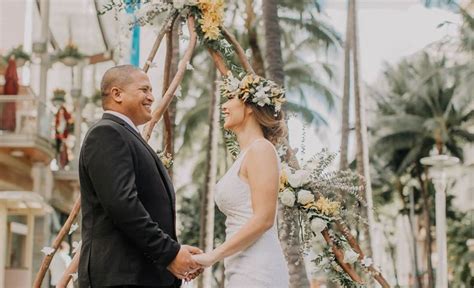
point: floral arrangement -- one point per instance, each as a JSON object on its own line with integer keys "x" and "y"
{"x": 166, "y": 159}
{"x": 209, "y": 15}
{"x": 253, "y": 89}
{"x": 313, "y": 195}
{"x": 212, "y": 14}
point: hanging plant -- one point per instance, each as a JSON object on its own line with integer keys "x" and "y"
{"x": 58, "y": 96}
{"x": 70, "y": 55}
{"x": 21, "y": 57}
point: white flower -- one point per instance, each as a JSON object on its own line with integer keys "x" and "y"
{"x": 299, "y": 178}
{"x": 151, "y": 64}
{"x": 261, "y": 97}
{"x": 189, "y": 67}
{"x": 287, "y": 197}
{"x": 367, "y": 261}
{"x": 179, "y": 4}
{"x": 178, "y": 92}
{"x": 318, "y": 225}
{"x": 74, "y": 276}
{"x": 305, "y": 196}
{"x": 350, "y": 256}
{"x": 316, "y": 243}
{"x": 232, "y": 83}
{"x": 248, "y": 53}
{"x": 47, "y": 250}
{"x": 73, "y": 228}
{"x": 76, "y": 246}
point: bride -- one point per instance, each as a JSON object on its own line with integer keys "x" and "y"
{"x": 247, "y": 194}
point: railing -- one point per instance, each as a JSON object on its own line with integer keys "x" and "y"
{"x": 19, "y": 116}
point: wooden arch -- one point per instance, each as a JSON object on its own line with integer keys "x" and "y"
{"x": 158, "y": 114}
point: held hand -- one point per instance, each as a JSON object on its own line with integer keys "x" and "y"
{"x": 183, "y": 264}
{"x": 205, "y": 259}
{"x": 194, "y": 275}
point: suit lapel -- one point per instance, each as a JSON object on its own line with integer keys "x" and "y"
{"x": 163, "y": 173}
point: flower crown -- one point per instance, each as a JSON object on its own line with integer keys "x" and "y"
{"x": 253, "y": 89}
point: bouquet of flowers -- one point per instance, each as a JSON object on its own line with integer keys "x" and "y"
{"x": 320, "y": 200}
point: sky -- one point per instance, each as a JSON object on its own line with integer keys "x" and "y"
{"x": 388, "y": 31}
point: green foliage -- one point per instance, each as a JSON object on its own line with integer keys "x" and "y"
{"x": 421, "y": 106}
{"x": 460, "y": 230}
{"x": 70, "y": 50}
{"x": 19, "y": 53}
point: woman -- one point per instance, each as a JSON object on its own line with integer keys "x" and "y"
{"x": 247, "y": 194}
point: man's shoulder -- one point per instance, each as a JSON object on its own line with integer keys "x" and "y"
{"x": 104, "y": 125}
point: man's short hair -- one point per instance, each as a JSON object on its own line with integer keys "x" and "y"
{"x": 118, "y": 76}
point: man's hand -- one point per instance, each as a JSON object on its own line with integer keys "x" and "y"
{"x": 183, "y": 264}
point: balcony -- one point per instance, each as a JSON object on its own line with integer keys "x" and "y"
{"x": 22, "y": 132}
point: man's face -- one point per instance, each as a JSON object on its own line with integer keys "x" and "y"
{"x": 137, "y": 98}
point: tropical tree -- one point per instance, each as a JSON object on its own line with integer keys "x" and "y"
{"x": 421, "y": 107}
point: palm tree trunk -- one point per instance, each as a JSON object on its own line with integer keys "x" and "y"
{"x": 273, "y": 54}
{"x": 362, "y": 153}
{"x": 206, "y": 236}
{"x": 250, "y": 24}
{"x": 427, "y": 223}
{"x": 343, "y": 164}
{"x": 274, "y": 59}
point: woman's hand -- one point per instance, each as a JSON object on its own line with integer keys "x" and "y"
{"x": 205, "y": 259}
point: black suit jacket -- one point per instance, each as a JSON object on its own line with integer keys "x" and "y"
{"x": 128, "y": 214}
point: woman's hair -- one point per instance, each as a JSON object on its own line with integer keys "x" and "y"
{"x": 273, "y": 124}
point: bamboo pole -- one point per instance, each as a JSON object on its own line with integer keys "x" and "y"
{"x": 164, "y": 29}
{"x": 340, "y": 258}
{"x": 354, "y": 245}
{"x": 166, "y": 84}
{"x": 168, "y": 97}
{"x": 219, "y": 61}
{"x": 71, "y": 269}
{"x": 63, "y": 232}
{"x": 239, "y": 50}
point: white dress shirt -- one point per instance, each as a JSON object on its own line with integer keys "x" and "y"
{"x": 124, "y": 118}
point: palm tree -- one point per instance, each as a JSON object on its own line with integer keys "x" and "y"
{"x": 423, "y": 106}
{"x": 343, "y": 163}
{"x": 274, "y": 59}
{"x": 206, "y": 239}
{"x": 362, "y": 153}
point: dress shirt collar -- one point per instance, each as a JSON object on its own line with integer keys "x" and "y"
{"x": 124, "y": 118}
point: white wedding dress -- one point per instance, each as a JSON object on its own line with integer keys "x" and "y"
{"x": 262, "y": 264}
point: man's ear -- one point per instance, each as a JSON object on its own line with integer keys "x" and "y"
{"x": 116, "y": 94}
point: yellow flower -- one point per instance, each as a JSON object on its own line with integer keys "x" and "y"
{"x": 210, "y": 28}
{"x": 278, "y": 102}
{"x": 245, "y": 83}
{"x": 204, "y": 5}
{"x": 283, "y": 180}
{"x": 310, "y": 205}
{"x": 327, "y": 207}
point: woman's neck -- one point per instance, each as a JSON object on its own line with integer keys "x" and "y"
{"x": 246, "y": 136}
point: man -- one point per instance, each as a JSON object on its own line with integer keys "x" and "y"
{"x": 128, "y": 201}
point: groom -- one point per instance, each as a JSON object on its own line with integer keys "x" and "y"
{"x": 128, "y": 201}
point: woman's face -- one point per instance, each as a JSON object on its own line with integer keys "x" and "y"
{"x": 234, "y": 111}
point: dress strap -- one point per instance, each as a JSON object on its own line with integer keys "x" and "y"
{"x": 243, "y": 152}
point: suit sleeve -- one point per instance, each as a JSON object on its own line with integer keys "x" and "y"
{"x": 109, "y": 165}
